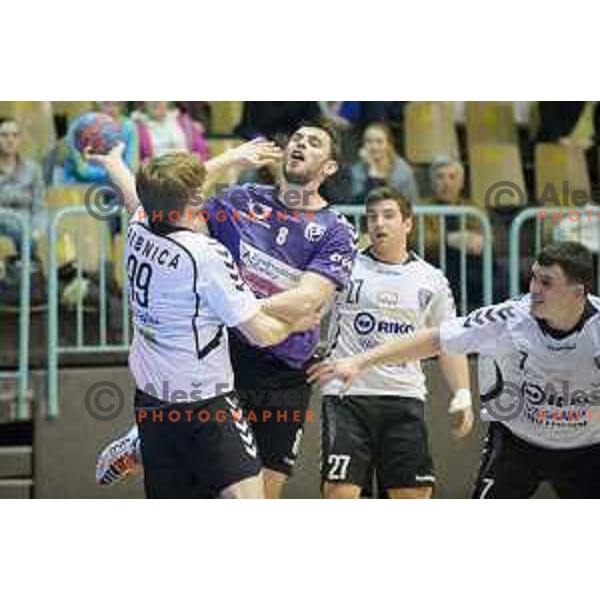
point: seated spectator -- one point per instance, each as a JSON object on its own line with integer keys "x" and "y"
{"x": 78, "y": 170}
{"x": 22, "y": 191}
{"x": 21, "y": 183}
{"x": 447, "y": 181}
{"x": 162, "y": 128}
{"x": 380, "y": 165}
{"x": 447, "y": 178}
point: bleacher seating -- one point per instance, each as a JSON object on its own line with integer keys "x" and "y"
{"x": 490, "y": 123}
{"x": 225, "y": 116}
{"x": 70, "y": 109}
{"x": 494, "y": 163}
{"x": 430, "y": 131}
{"x": 556, "y": 165}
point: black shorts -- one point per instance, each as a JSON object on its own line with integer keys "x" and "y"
{"x": 275, "y": 399}
{"x": 194, "y": 449}
{"x": 385, "y": 433}
{"x": 514, "y": 468}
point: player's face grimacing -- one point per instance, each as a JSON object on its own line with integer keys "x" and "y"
{"x": 552, "y": 295}
{"x": 308, "y": 156}
{"x": 388, "y": 229}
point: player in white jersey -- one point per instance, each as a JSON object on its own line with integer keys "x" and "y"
{"x": 545, "y": 397}
{"x": 184, "y": 288}
{"x": 307, "y": 258}
{"x": 379, "y": 421}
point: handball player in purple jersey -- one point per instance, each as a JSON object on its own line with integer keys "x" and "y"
{"x": 283, "y": 238}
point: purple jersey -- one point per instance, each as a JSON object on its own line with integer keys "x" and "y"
{"x": 274, "y": 246}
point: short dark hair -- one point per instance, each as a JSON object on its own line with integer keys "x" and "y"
{"x": 390, "y": 193}
{"x": 573, "y": 258}
{"x": 335, "y": 142}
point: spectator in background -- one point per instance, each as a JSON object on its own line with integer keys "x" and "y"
{"x": 380, "y": 165}
{"x": 162, "y": 128}
{"x": 447, "y": 178}
{"x": 78, "y": 170}
{"x": 21, "y": 184}
{"x": 447, "y": 181}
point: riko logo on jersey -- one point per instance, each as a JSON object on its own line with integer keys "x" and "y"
{"x": 365, "y": 323}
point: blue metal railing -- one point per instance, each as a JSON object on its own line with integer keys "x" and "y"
{"x": 23, "y": 219}
{"x": 81, "y": 346}
{"x": 555, "y": 224}
{"x": 355, "y": 213}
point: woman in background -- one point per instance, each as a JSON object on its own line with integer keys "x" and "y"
{"x": 380, "y": 165}
{"x": 162, "y": 128}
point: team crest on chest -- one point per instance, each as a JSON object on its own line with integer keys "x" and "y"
{"x": 313, "y": 232}
{"x": 387, "y": 298}
{"x": 424, "y": 297}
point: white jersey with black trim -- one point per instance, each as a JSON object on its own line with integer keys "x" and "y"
{"x": 183, "y": 288}
{"x": 544, "y": 385}
{"x": 381, "y": 302}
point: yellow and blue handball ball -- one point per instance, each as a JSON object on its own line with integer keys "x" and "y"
{"x": 97, "y": 131}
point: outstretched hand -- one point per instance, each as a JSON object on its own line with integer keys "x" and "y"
{"x": 345, "y": 370}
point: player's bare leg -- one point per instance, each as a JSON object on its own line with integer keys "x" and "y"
{"x": 415, "y": 493}
{"x": 274, "y": 482}
{"x": 247, "y": 489}
{"x": 341, "y": 491}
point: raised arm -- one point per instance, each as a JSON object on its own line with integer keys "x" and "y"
{"x": 254, "y": 154}
{"x": 251, "y": 155}
{"x": 119, "y": 173}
